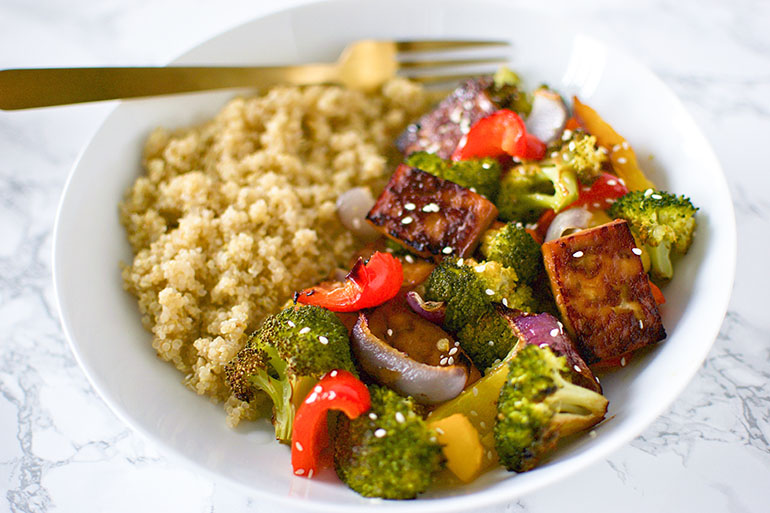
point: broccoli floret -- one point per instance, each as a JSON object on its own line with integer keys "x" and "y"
{"x": 506, "y": 92}
{"x": 285, "y": 357}
{"x": 463, "y": 292}
{"x": 529, "y": 189}
{"x": 514, "y": 248}
{"x": 470, "y": 292}
{"x": 389, "y": 452}
{"x": 480, "y": 175}
{"x": 580, "y": 151}
{"x": 663, "y": 222}
{"x": 501, "y": 285}
{"x": 538, "y": 406}
{"x": 487, "y": 340}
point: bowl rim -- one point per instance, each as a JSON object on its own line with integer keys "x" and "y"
{"x": 469, "y": 501}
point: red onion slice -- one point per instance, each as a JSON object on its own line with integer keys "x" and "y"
{"x": 548, "y": 116}
{"x": 352, "y": 207}
{"x": 566, "y": 222}
{"x": 433, "y": 311}
{"x": 545, "y": 330}
{"x": 428, "y": 384}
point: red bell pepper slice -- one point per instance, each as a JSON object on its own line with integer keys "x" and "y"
{"x": 338, "y": 390}
{"x": 365, "y": 286}
{"x": 602, "y": 193}
{"x": 500, "y": 134}
{"x": 657, "y": 294}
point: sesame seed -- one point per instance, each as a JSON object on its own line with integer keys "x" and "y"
{"x": 474, "y": 413}
{"x": 656, "y": 196}
{"x": 331, "y": 395}
{"x": 541, "y": 346}
{"x": 291, "y": 324}
{"x": 572, "y": 146}
{"x": 333, "y": 373}
{"x": 554, "y": 332}
{"x": 407, "y": 220}
{"x": 486, "y": 165}
{"x": 304, "y": 330}
{"x": 457, "y": 344}
{"x": 389, "y": 332}
{"x": 597, "y": 205}
{"x": 603, "y": 150}
{"x": 489, "y": 292}
{"x": 410, "y": 206}
{"x": 577, "y": 254}
{"x": 380, "y": 433}
{"x": 473, "y": 189}
{"x": 440, "y": 431}
{"x": 447, "y": 251}
{"x": 400, "y": 417}
{"x": 298, "y": 446}
{"x": 647, "y": 193}
{"x": 461, "y": 261}
{"x": 323, "y": 340}
{"x": 612, "y": 182}
{"x": 443, "y": 361}
{"x": 299, "y": 471}
{"x": 373, "y": 416}
{"x": 616, "y": 148}
{"x": 636, "y": 251}
{"x": 505, "y": 301}
{"x": 554, "y": 154}
{"x": 483, "y": 425}
{"x": 561, "y": 326}
{"x": 577, "y": 369}
{"x": 622, "y": 160}
{"x": 622, "y": 182}
{"x": 641, "y": 324}
{"x": 311, "y": 398}
{"x": 475, "y": 392}
{"x": 453, "y": 351}
{"x": 624, "y": 145}
{"x": 623, "y": 362}
{"x": 480, "y": 268}
{"x": 489, "y": 455}
{"x": 592, "y": 433}
{"x": 566, "y": 135}
{"x": 409, "y": 259}
{"x": 565, "y": 156}
{"x": 318, "y": 389}
{"x": 491, "y": 342}
{"x": 597, "y": 379}
{"x": 610, "y": 201}
{"x": 450, "y": 360}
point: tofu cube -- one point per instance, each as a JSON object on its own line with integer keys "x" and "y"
{"x": 602, "y": 291}
{"x": 431, "y": 216}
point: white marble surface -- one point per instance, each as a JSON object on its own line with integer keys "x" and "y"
{"x": 61, "y": 449}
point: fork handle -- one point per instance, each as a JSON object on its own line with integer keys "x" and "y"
{"x": 29, "y": 88}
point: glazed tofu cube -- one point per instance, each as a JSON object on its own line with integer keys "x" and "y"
{"x": 440, "y": 130}
{"x": 431, "y": 216}
{"x": 602, "y": 291}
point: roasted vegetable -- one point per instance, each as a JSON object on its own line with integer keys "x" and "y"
{"x": 389, "y": 452}
{"x": 481, "y": 175}
{"x": 285, "y": 358}
{"x": 538, "y": 406}
{"x": 527, "y": 190}
{"x": 514, "y": 248}
{"x": 663, "y": 222}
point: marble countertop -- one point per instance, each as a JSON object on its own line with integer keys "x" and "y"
{"x": 61, "y": 448}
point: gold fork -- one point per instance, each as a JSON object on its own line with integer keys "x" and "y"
{"x": 363, "y": 65}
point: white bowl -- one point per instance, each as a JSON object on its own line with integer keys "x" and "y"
{"x": 102, "y": 321}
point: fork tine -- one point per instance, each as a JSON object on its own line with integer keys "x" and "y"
{"x": 425, "y": 46}
{"x": 438, "y": 79}
{"x": 450, "y": 63}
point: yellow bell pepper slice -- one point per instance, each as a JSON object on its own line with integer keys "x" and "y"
{"x": 622, "y": 157}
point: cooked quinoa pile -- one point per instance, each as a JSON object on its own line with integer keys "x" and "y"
{"x": 231, "y": 217}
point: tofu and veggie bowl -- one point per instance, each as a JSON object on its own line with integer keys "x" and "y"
{"x": 396, "y": 295}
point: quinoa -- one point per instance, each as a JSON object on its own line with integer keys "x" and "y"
{"x": 231, "y": 217}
